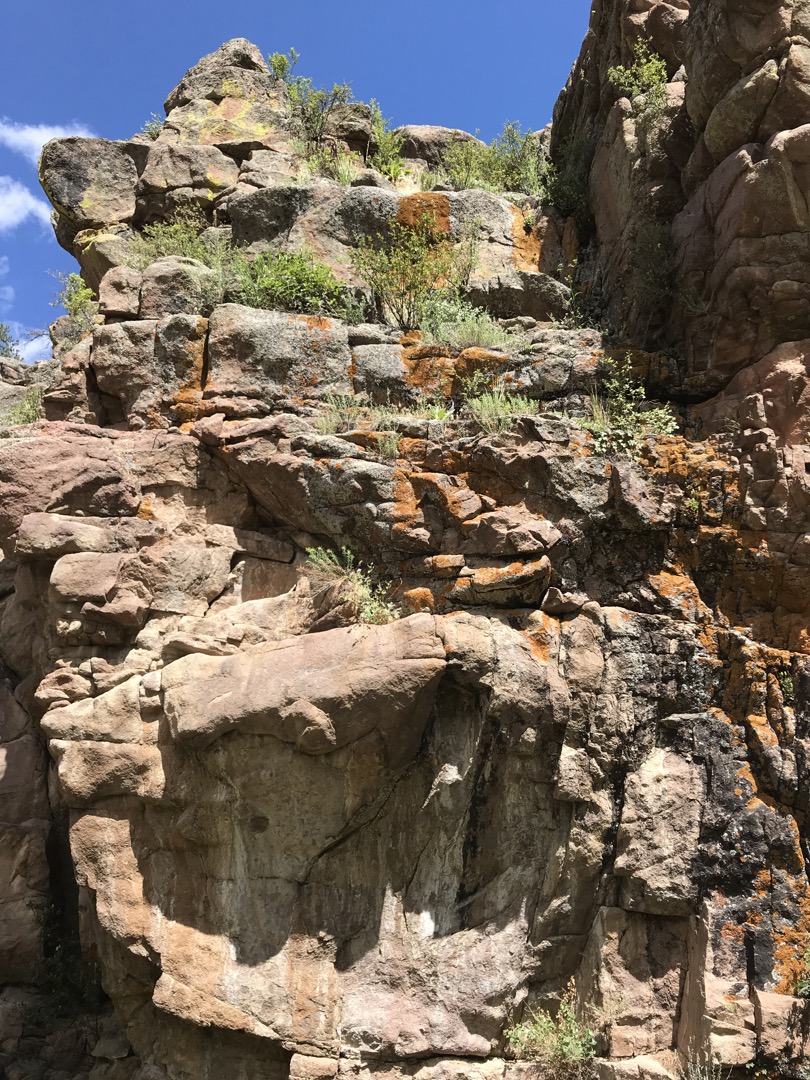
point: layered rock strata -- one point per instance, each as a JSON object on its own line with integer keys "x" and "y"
{"x": 306, "y": 847}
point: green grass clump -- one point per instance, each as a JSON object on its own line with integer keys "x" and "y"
{"x": 495, "y": 410}
{"x": 331, "y": 569}
{"x": 448, "y": 319}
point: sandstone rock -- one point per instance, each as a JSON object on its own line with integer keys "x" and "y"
{"x": 233, "y": 124}
{"x": 429, "y": 142}
{"x": 90, "y": 181}
{"x": 264, "y": 354}
{"x": 312, "y": 707}
{"x": 236, "y": 64}
{"x": 119, "y": 292}
{"x": 658, "y": 832}
{"x": 83, "y": 474}
{"x": 176, "y": 285}
{"x": 179, "y": 174}
{"x": 306, "y": 847}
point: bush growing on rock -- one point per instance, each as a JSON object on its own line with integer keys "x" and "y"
{"x": 78, "y": 300}
{"x": 341, "y": 571}
{"x": 290, "y": 281}
{"x": 310, "y": 106}
{"x": 563, "y": 1045}
{"x": 152, "y": 127}
{"x": 569, "y": 182}
{"x": 387, "y": 157}
{"x": 450, "y": 320}
{"x": 620, "y": 417}
{"x": 645, "y": 77}
{"x": 185, "y": 236}
{"x": 514, "y": 161}
{"x": 26, "y": 412}
{"x": 404, "y": 265}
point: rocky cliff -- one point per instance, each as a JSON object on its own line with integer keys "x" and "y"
{"x": 292, "y": 843}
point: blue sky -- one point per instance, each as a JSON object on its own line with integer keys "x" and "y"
{"x": 104, "y": 67}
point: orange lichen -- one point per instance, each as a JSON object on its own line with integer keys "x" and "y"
{"x": 415, "y": 600}
{"x": 527, "y": 243}
{"x": 434, "y": 205}
{"x": 791, "y": 942}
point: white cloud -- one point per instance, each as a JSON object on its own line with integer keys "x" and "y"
{"x": 18, "y": 203}
{"x": 28, "y": 139}
{"x": 7, "y": 293}
{"x": 30, "y": 348}
{"x": 38, "y": 348}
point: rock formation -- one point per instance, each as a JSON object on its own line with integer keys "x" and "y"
{"x": 292, "y": 844}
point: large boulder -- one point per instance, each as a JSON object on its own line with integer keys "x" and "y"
{"x": 257, "y": 357}
{"x": 429, "y": 143}
{"x": 236, "y": 69}
{"x": 91, "y": 182}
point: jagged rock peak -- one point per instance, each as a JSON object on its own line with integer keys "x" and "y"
{"x": 236, "y": 69}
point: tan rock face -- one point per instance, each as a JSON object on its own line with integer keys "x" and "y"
{"x": 302, "y": 846}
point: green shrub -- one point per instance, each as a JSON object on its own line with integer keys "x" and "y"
{"x": 651, "y": 281}
{"x": 185, "y": 236}
{"x": 788, "y": 687}
{"x": 514, "y": 161}
{"x": 619, "y": 419}
{"x": 802, "y": 987}
{"x": 405, "y": 264}
{"x": 563, "y": 1045}
{"x": 449, "y": 320}
{"x": 9, "y": 346}
{"x": 466, "y": 163}
{"x": 310, "y": 106}
{"x": 568, "y": 183}
{"x": 152, "y": 127}
{"x": 78, "y": 300}
{"x": 519, "y": 161}
{"x": 26, "y": 412}
{"x": 282, "y": 64}
{"x": 330, "y": 569}
{"x": 387, "y": 158}
{"x": 645, "y": 77}
{"x": 496, "y": 409}
{"x": 290, "y": 281}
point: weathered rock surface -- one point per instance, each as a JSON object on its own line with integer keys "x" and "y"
{"x": 299, "y": 846}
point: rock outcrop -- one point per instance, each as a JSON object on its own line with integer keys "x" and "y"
{"x": 295, "y": 845}
{"x": 700, "y": 217}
